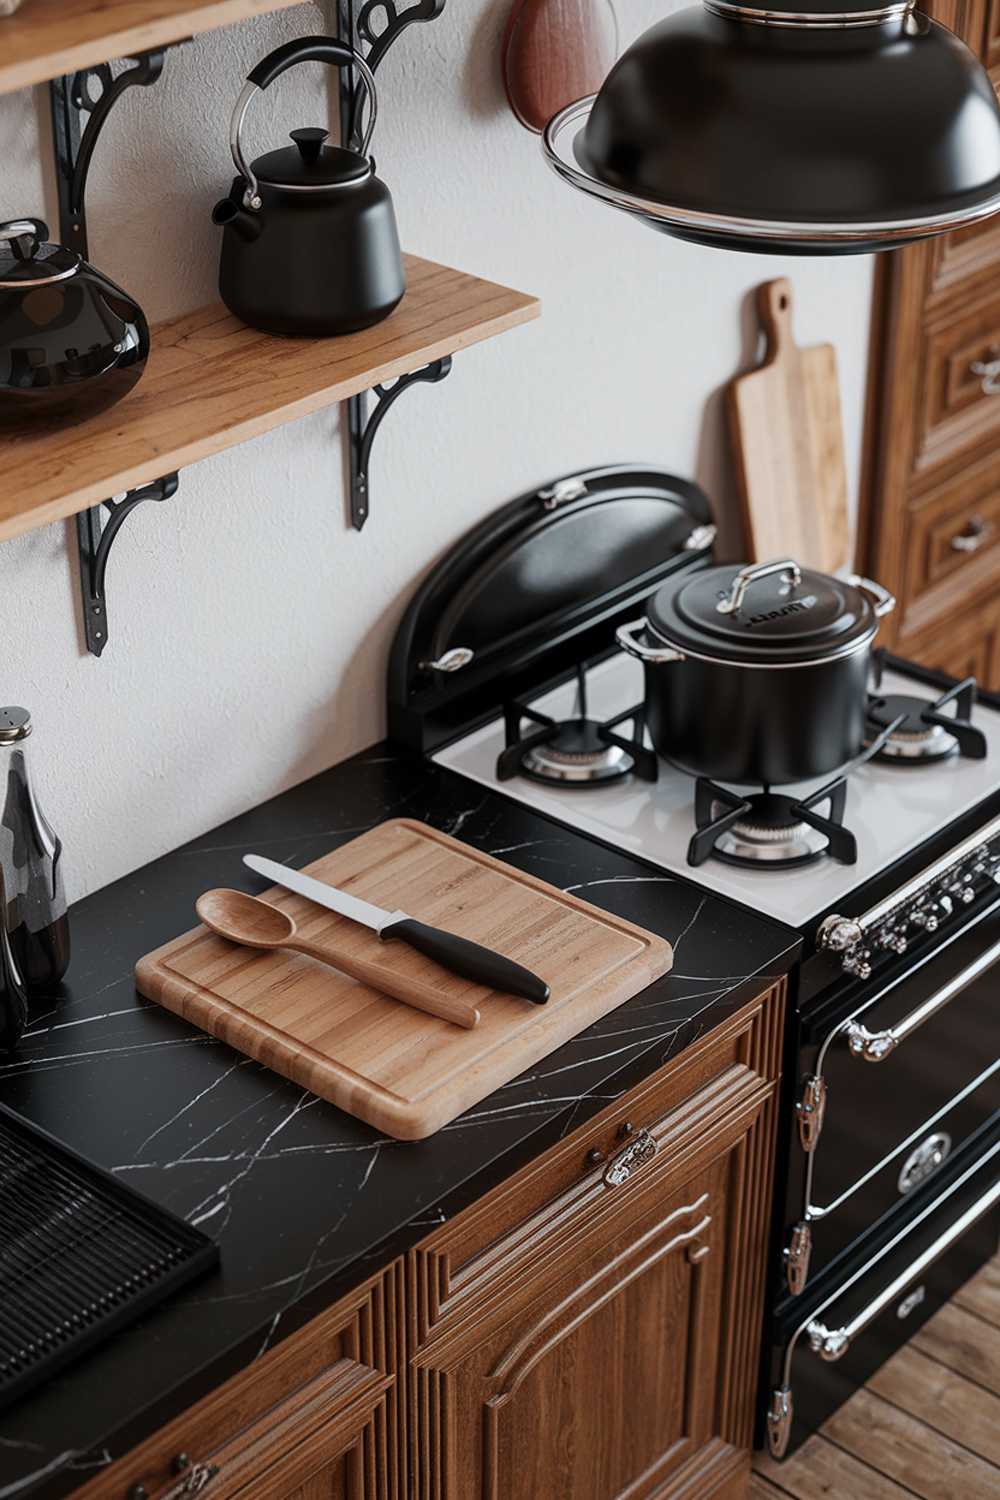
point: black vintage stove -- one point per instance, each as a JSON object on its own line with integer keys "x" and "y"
{"x": 505, "y": 670}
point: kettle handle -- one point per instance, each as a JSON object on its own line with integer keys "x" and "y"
{"x": 306, "y": 49}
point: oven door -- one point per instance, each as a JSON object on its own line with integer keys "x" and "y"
{"x": 830, "y": 1342}
{"x": 908, "y": 1076}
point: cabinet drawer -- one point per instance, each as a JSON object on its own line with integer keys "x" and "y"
{"x": 317, "y": 1416}
{"x": 567, "y": 1195}
{"x": 963, "y": 262}
{"x": 960, "y": 398}
{"x": 953, "y": 547}
{"x": 963, "y": 645}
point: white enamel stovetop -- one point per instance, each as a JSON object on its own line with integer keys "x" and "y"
{"x": 890, "y": 808}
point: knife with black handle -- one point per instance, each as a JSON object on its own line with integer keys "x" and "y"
{"x": 457, "y": 954}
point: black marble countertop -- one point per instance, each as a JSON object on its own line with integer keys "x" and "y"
{"x": 302, "y": 1199}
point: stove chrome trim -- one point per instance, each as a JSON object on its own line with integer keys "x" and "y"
{"x": 876, "y": 1046}
{"x": 781, "y": 1405}
{"x": 833, "y": 1343}
{"x": 815, "y": 1212}
{"x": 840, "y": 934}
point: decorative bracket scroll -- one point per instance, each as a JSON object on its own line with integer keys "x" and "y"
{"x": 361, "y": 440}
{"x": 372, "y": 30}
{"x": 93, "y": 93}
{"x": 96, "y": 538}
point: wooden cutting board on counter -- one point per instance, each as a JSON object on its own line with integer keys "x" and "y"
{"x": 405, "y": 1072}
{"x": 788, "y": 445}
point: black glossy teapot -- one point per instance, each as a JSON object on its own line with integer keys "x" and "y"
{"x": 309, "y": 241}
{"x": 71, "y": 342}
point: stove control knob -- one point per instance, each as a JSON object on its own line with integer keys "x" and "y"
{"x": 859, "y": 964}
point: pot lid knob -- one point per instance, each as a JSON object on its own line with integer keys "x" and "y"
{"x": 310, "y": 142}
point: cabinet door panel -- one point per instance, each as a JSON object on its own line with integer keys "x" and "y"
{"x": 612, "y": 1352}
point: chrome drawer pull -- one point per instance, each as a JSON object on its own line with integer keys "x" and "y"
{"x": 989, "y": 371}
{"x": 196, "y": 1477}
{"x": 640, "y": 1149}
{"x": 833, "y": 1343}
{"x": 876, "y": 1046}
{"x": 975, "y": 534}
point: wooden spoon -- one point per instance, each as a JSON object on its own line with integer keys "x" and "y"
{"x": 256, "y": 924}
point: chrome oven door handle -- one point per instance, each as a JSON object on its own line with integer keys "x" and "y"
{"x": 876, "y": 1046}
{"x": 832, "y": 1343}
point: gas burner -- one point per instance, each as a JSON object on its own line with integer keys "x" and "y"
{"x": 574, "y": 753}
{"x": 770, "y": 832}
{"x": 921, "y": 733}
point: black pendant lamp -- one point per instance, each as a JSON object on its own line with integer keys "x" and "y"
{"x": 840, "y": 130}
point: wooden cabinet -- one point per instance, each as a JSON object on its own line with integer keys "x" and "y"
{"x": 592, "y": 1330}
{"x": 317, "y": 1419}
{"x": 930, "y": 522}
{"x": 589, "y": 1330}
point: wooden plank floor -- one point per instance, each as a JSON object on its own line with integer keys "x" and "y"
{"x": 927, "y": 1424}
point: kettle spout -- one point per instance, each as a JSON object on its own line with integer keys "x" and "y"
{"x": 246, "y": 224}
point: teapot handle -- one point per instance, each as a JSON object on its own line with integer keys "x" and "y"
{"x": 306, "y": 49}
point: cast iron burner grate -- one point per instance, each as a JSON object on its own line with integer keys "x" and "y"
{"x": 924, "y": 732}
{"x": 576, "y": 752}
{"x": 769, "y": 830}
{"x": 80, "y": 1255}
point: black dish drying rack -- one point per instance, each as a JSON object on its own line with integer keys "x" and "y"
{"x": 81, "y": 1255}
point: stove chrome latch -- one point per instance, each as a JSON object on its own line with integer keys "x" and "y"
{"x": 779, "y": 1420}
{"x": 871, "y": 1046}
{"x": 810, "y": 1111}
{"x": 641, "y": 1148}
{"x": 796, "y": 1257}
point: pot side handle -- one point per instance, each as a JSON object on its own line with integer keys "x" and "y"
{"x": 885, "y": 602}
{"x": 626, "y": 636}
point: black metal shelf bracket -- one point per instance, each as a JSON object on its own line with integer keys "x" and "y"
{"x": 96, "y": 538}
{"x": 372, "y": 30}
{"x": 361, "y": 441}
{"x": 81, "y": 104}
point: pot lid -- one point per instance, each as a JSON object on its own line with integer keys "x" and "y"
{"x": 311, "y": 164}
{"x": 767, "y": 612}
{"x": 790, "y": 129}
{"x": 27, "y": 258}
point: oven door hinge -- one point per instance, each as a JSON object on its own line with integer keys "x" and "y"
{"x": 779, "y": 1420}
{"x": 810, "y": 1110}
{"x": 796, "y": 1256}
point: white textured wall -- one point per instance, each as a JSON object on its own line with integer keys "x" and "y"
{"x": 249, "y": 624}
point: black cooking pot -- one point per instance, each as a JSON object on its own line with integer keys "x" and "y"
{"x": 310, "y": 245}
{"x": 71, "y": 342}
{"x": 758, "y": 675}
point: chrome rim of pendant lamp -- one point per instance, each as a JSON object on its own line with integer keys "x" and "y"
{"x": 564, "y": 128}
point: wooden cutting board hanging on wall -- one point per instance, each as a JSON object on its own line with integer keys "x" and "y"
{"x": 788, "y": 443}
{"x": 555, "y": 52}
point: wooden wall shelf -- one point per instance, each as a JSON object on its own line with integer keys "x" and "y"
{"x": 51, "y": 37}
{"x": 212, "y": 383}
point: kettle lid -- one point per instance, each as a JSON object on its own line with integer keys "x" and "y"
{"x": 27, "y": 258}
{"x": 310, "y": 163}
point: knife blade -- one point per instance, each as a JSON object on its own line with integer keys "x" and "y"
{"x": 459, "y": 955}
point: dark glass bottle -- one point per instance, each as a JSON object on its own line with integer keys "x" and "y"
{"x": 13, "y": 1001}
{"x": 31, "y": 861}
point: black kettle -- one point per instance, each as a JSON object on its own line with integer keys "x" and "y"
{"x": 309, "y": 242}
{"x": 71, "y": 342}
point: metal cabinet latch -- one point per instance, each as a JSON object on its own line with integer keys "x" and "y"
{"x": 797, "y": 1254}
{"x": 641, "y": 1148}
{"x": 779, "y": 1420}
{"x": 196, "y": 1477}
{"x": 810, "y": 1111}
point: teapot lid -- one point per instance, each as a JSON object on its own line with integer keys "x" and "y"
{"x": 28, "y": 259}
{"x": 311, "y": 163}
